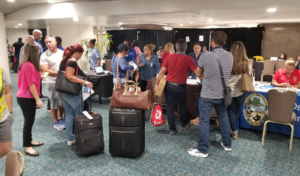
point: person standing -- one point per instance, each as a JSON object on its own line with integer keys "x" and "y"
{"x": 160, "y": 52}
{"x": 204, "y": 49}
{"x": 148, "y": 66}
{"x": 59, "y": 43}
{"x": 28, "y": 95}
{"x": 212, "y": 94}
{"x": 196, "y": 56}
{"x": 131, "y": 56}
{"x": 50, "y": 61}
{"x": 94, "y": 55}
{"x": 240, "y": 66}
{"x": 178, "y": 66}
{"x": 6, "y": 113}
{"x": 123, "y": 66}
{"x": 169, "y": 48}
{"x": 17, "y": 47}
{"x": 28, "y": 39}
{"x": 136, "y": 46}
{"x": 37, "y": 34}
{"x": 72, "y": 103}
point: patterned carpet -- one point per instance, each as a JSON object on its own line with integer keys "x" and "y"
{"x": 164, "y": 154}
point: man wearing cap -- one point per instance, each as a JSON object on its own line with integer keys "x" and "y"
{"x": 123, "y": 67}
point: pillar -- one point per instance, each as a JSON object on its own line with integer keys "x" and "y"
{"x": 3, "y": 49}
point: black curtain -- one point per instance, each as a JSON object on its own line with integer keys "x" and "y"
{"x": 193, "y": 34}
{"x": 119, "y": 36}
{"x": 44, "y": 33}
{"x": 251, "y": 37}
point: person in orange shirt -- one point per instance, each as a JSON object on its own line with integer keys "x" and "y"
{"x": 287, "y": 77}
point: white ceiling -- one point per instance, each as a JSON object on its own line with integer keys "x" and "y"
{"x": 109, "y": 14}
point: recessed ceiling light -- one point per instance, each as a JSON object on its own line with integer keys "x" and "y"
{"x": 233, "y": 25}
{"x": 121, "y": 27}
{"x": 181, "y": 24}
{"x": 120, "y": 23}
{"x": 191, "y": 22}
{"x": 210, "y": 20}
{"x": 75, "y": 19}
{"x": 16, "y": 26}
{"x": 11, "y": 0}
{"x": 98, "y": 27}
{"x": 240, "y": 24}
{"x": 272, "y": 10}
{"x": 20, "y": 24}
{"x": 51, "y": 1}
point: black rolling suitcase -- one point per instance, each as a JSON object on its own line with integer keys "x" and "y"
{"x": 126, "y": 132}
{"x": 89, "y": 134}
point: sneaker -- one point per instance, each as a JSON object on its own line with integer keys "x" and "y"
{"x": 62, "y": 121}
{"x": 185, "y": 128}
{"x": 71, "y": 142}
{"x": 226, "y": 148}
{"x": 195, "y": 152}
{"x": 59, "y": 126}
{"x": 173, "y": 132}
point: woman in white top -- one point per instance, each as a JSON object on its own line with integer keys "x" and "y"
{"x": 240, "y": 66}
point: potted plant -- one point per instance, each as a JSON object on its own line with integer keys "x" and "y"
{"x": 102, "y": 45}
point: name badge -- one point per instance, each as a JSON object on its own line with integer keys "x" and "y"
{"x": 151, "y": 64}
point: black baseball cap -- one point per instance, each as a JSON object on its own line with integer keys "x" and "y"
{"x": 123, "y": 47}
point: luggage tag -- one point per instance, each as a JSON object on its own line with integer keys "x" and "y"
{"x": 86, "y": 114}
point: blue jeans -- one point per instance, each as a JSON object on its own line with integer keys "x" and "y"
{"x": 234, "y": 111}
{"x": 73, "y": 107}
{"x": 205, "y": 107}
{"x": 176, "y": 93}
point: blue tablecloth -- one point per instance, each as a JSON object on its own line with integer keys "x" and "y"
{"x": 252, "y": 113}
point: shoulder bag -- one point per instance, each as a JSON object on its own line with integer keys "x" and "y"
{"x": 247, "y": 83}
{"x": 66, "y": 86}
{"x": 226, "y": 90}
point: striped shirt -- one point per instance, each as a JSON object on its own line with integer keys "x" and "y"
{"x": 212, "y": 83}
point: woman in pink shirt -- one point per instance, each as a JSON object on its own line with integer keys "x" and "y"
{"x": 28, "y": 96}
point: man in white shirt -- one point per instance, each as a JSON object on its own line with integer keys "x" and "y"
{"x": 160, "y": 52}
{"x": 50, "y": 61}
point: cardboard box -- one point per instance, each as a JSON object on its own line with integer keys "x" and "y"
{"x": 11, "y": 65}
{"x": 161, "y": 87}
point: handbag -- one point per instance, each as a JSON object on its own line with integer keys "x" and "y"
{"x": 131, "y": 99}
{"x": 226, "y": 90}
{"x": 66, "y": 86}
{"x": 157, "y": 116}
{"x": 247, "y": 83}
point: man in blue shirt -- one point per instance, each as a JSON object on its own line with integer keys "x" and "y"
{"x": 37, "y": 34}
{"x": 131, "y": 56}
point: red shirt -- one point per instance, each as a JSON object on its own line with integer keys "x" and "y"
{"x": 163, "y": 57}
{"x": 178, "y": 66}
{"x": 281, "y": 77}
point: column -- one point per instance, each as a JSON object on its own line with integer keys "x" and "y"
{"x": 3, "y": 49}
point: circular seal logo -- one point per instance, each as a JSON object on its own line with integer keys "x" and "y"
{"x": 254, "y": 109}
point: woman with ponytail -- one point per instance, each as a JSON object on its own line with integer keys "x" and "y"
{"x": 72, "y": 103}
{"x": 148, "y": 66}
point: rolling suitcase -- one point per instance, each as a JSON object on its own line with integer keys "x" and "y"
{"x": 126, "y": 132}
{"x": 89, "y": 134}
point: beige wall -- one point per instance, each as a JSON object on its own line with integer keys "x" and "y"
{"x": 281, "y": 38}
{"x": 72, "y": 34}
{"x": 12, "y": 34}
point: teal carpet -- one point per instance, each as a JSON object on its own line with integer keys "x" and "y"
{"x": 164, "y": 154}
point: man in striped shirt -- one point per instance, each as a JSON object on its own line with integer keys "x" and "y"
{"x": 212, "y": 94}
